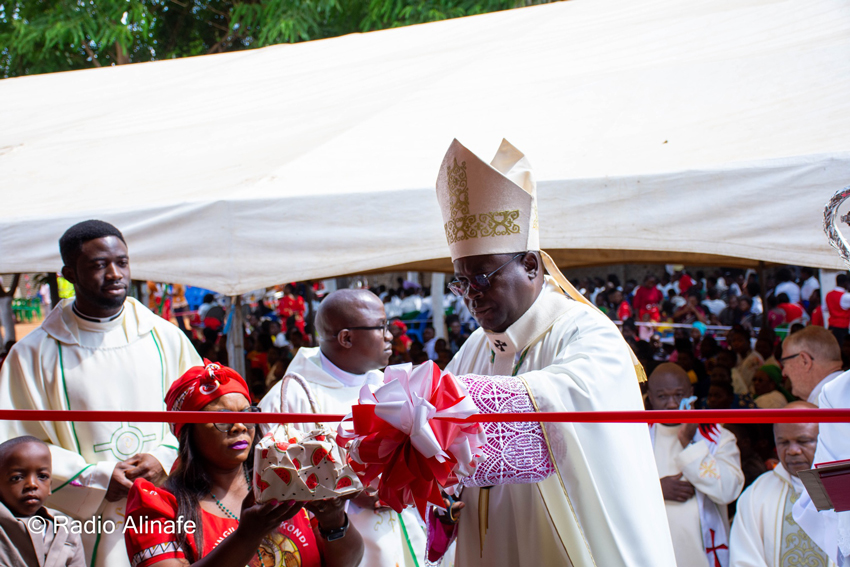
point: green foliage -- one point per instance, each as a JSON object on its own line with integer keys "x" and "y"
{"x": 396, "y": 13}
{"x": 42, "y": 36}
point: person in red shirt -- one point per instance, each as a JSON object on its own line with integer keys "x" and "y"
{"x": 686, "y": 282}
{"x": 793, "y": 311}
{"x": 291, "y": 305}
{"x": 647, "y": 296}
{"x": 838, "y": 305}
{"x": 210, "y": 486}
{"x": 620, "y": 306}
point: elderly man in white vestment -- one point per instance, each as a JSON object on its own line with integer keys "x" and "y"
{"x": 98, "y": 351}
{"x": 700, "y": 472}
{"x": 603, "y": 505}
{"x": 764, "y": 533}
{"x": 830, "y": 530}
{"x": 354, "y": 344}
{"x": 811, "y": 359}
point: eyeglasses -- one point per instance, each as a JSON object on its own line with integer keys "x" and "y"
{"x": 789, "y": 357}
{"x": 479, "y": 283}
{"x": 383, "y": 327}
{"x": 226, "y": 427}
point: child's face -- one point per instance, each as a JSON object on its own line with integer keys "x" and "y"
{"x": 25, "y": 478}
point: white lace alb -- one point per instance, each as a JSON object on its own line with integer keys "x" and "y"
{"x": 516, "y": 452}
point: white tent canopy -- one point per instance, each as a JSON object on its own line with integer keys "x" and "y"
{"x": 708, "y": 131}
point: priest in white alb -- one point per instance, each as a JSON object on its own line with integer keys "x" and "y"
{"x": 541, "y": 344}
{"x": 764, "y": 533}
{"x": 829, "y": 529}
{"x": 105, "y": 351}
{"x": 354, "y": 344}
{"x": 699, "y": 470}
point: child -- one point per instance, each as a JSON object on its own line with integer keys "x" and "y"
{"x": 27, "y": 529}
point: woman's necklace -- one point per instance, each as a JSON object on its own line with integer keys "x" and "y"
{"x": 224, "y": 508}
{"x": 230, "y": 514}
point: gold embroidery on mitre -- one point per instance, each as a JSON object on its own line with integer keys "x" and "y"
{"x": 462, "y": 225}
{"x": 535, "y": 221}
{"x": 499, "y": 223}
{"x": 458, "y": 190}
{"x": 461, "y": 228}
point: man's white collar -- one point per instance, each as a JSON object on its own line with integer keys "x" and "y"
{"x": 348, "y": 379}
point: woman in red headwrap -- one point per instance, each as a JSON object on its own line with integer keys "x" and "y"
{"x": 205, "y": 514}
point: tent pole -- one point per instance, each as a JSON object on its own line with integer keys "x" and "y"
{"x": 311, "y": 315}
{"x": 438, "y": 310}
{"x": 53, "y": 284}
{"x": 236, "y": 338}
{"x": 763, "y": 294}
{"x": 7, "y": 316}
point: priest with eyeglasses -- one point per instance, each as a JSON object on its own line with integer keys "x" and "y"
{"x": 541, "y": 340}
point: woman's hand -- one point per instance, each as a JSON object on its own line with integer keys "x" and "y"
{"x": 255, "y": 523}
{"x": 259, "y": 519}
{"x": 330, "y": 513}
{"x": 346, "y": 551}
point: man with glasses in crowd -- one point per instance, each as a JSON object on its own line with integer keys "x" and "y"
{"x": 603, "y": 505}
{"x": 700, "y": 472}
{"x": 811, "y": 358}
{"x": 354, "y": 344}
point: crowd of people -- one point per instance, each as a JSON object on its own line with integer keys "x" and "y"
{"x": 613, "y": 494}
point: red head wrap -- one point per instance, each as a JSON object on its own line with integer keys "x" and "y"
{"x": 201, "y": 385}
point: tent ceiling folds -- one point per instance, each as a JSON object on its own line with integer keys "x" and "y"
{"x": 707, "y": 132}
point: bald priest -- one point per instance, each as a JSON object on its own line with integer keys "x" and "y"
{"x": 603, "y": 504}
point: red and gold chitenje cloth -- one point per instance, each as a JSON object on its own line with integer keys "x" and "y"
{"x": 291, "y": 545}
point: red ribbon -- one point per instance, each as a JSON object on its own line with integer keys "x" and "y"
{"x": 640, "y": 416}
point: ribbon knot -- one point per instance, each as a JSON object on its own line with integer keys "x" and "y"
{"x": 396, "y": 438}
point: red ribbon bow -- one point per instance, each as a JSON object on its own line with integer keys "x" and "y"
{"x": 406, "y": 475}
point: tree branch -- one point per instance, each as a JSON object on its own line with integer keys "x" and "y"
{"x": 91, "y": 54}
{"x": 121, "y": 57}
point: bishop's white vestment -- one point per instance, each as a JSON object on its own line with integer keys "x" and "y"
{"x": 603, "y": 506}
{"x": 764, "y": 533}
{"x": 126, "y": 364}
{"x": 390, "y": 539}
{"x": 828, "y": 529}
{"x": 715, "y": 472}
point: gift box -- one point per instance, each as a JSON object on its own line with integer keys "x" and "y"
{"x": 290, "y": 464}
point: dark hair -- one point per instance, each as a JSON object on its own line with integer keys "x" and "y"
{"x": 264, "y": 342}
{"x": 739, "y": 330}
{"x": 783, "y": 275}
{"x": 189, "y": 482}
{"x": 753, "y": 289}
{"x": 783, "y": 298}
{"x": 72, "y": 241}
{"x": 725, "y": 385}
{"x": 841, "y": 280}
{"x": 7, "y": 446}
